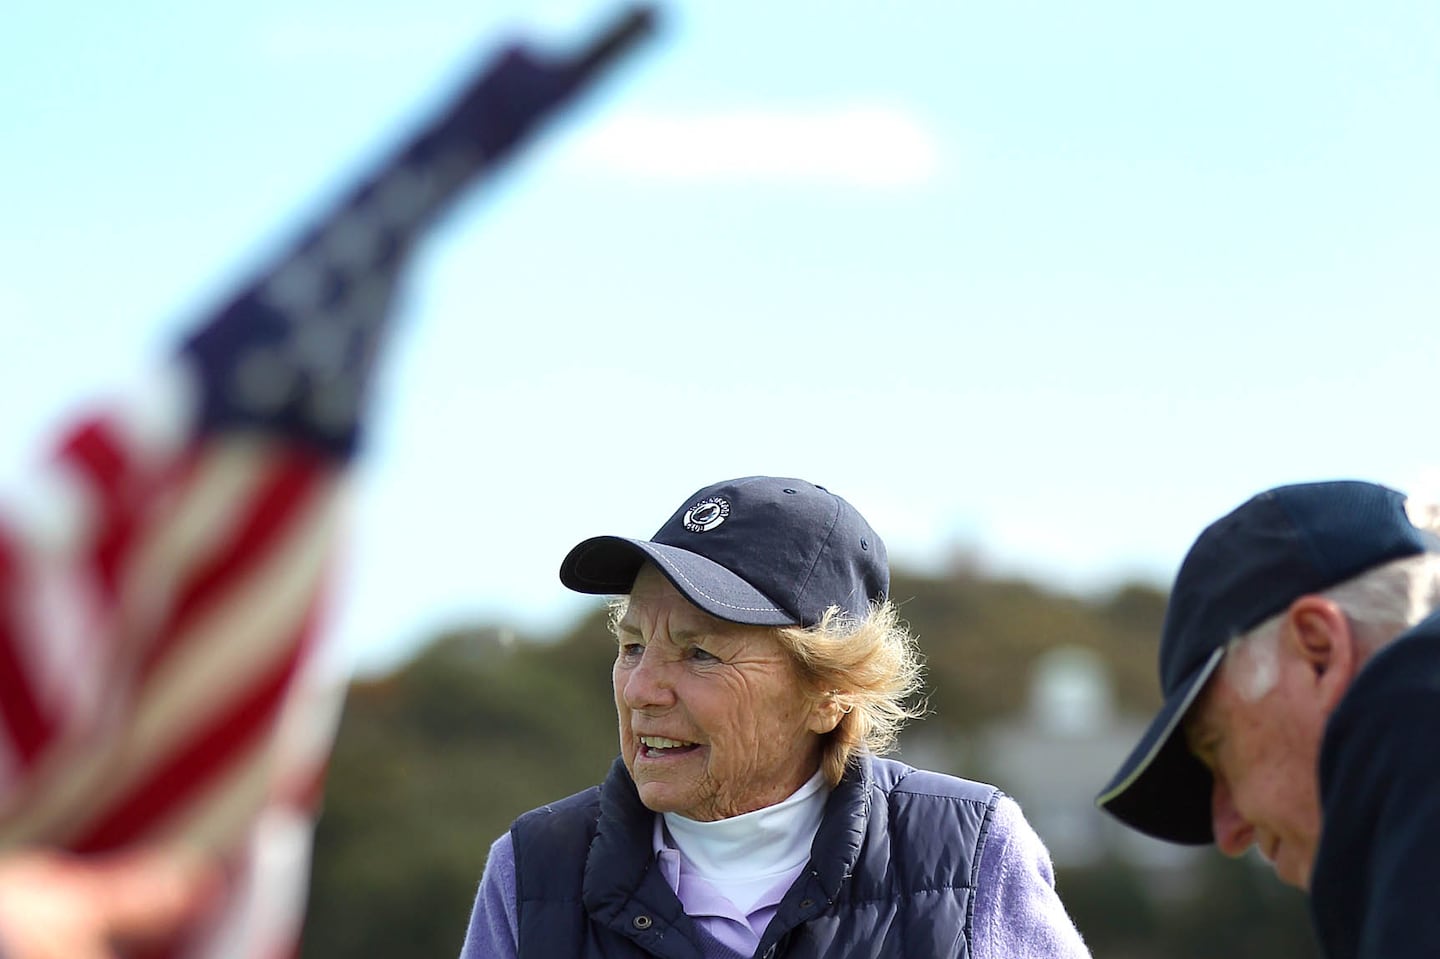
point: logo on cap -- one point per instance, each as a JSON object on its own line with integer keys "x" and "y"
{"x": 707, "y": 514}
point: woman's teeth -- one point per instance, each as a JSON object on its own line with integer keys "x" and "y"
{"x": 660, "y": 742}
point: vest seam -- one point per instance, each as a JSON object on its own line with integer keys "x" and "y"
{"x": 978, "y": 853}
{"x": 965, "y": 799}
{"x": 933, "y": 890}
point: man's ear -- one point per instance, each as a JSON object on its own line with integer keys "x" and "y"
{"x": 1321, "y": 637}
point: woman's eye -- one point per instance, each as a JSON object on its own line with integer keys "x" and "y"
{"x": 697, "y": 653}
{"x": 631, "y": 650}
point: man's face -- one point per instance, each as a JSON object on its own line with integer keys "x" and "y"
{"x": 1262, "y": 753}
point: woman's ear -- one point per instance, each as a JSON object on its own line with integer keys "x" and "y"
{"x": 828, "y": 712}
{"x": 1325, "y": 643}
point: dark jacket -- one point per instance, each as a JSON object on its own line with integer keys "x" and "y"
{"x": 1374, "y": 885}
{"x": 878, "y": 882}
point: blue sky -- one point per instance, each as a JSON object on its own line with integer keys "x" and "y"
{"x": 1050, "y": 285}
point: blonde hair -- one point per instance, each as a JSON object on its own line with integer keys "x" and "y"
{"x": 871, "y": 667}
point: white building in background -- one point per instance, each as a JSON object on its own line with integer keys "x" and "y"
{"x": 1053, "y": 756}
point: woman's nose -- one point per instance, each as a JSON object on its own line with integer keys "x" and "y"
{"x": 647, "y": 682}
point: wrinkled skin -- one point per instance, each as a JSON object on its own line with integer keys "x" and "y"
{"x": 1263, "y": 751}
{"x": 729, "y": 693}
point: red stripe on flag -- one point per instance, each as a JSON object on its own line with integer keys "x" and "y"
{"x": 95, "y": 452}
{"x": 111, "y": 551}
{"x": 205, "y": 755}
{"x": 125, "y": 521}
{"x": 93, "y": 449}
{"x": 286, "y": 490}
{"x": 29, "y": 727}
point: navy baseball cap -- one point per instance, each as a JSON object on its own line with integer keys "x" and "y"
{"x": 759, "y": 550}
{"x": 1246, "y": 567}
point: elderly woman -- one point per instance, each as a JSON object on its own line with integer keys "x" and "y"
{"x": 759, "y": 672}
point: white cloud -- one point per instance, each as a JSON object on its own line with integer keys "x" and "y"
{"x": 861, "y": 144}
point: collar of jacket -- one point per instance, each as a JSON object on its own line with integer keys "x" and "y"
{"x": 623, "y": 889}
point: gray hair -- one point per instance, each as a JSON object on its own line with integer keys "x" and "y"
{"x": 1380, "y": 603}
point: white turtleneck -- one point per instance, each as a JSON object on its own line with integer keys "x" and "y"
{"x": 746, "y": 857}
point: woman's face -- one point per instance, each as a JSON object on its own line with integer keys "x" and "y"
{"x": 714, "y": 721}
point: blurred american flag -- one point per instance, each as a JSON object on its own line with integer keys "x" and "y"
{"x": 162, "y": 580}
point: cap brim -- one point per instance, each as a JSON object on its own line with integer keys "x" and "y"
{"x": 608, "y": 565}
{"x": 1161, "y": 789}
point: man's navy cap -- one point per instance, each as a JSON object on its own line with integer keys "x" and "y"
{"x": 1246, "y": 567}
{"x": 759, "y": 550}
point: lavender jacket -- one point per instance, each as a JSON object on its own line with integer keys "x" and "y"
{"x": 1017, "y": 913}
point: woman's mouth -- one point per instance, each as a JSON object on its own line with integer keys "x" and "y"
{"x": 660, "y": 747}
